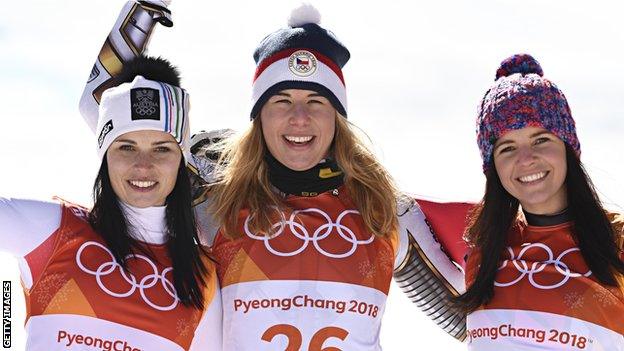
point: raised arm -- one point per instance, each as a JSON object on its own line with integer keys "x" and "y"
{"x": 127, "y": 39}
{"x": 428, "y": 267}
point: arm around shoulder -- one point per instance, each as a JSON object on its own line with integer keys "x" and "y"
{"x": 425, "y": 270}
{"x": 617, "y": 221}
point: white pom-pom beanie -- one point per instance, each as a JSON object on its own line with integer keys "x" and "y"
{"x": 302, "y": 56}
{"x": 143, "y": 105}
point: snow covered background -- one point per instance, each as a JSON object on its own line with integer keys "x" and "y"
{"x": 417, "y": 73}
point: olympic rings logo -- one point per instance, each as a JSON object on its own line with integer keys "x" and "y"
{"x": 146, "y": 282}
{"x": 537, "y": 267}
{"x": 301, "y": 232}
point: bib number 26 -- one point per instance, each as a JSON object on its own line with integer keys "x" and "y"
{"x": 295, "y": 339}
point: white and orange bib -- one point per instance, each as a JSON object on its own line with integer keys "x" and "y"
{"x": 320, "y": 281}
{"x": 78, "y": 298}
{"x": 546, "y": 298}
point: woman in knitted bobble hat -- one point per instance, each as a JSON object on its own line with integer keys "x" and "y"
{"x": 548, "y": 277}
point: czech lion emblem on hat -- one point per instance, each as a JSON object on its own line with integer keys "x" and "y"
{"x": 302, "y": 63}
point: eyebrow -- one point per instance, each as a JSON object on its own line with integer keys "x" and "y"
{"x": 125, "y": 141}
{"x": 288, "y": 95}
{"x": 164, "y": 142}
{"x": 540, "y": 133}
{"x": 134, "y": 142}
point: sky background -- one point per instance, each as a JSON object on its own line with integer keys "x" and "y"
{"x": 417, "y": 74}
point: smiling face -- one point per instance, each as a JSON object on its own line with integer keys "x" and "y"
{"x": 531, "y": 164}
{"x": 143, "y": 167}
{"x": 298, "y": 127}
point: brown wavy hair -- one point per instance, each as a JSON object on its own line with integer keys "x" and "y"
{"x": 244, "y": 182}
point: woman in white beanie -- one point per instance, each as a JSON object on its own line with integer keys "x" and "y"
{"x": 127, "y": 274}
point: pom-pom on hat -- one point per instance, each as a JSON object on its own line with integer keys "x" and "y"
{"x": 302, "y": 56}
{"x": 522, "y": 97}
{"x": 143, "y": 104}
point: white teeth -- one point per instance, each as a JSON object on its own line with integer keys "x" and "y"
{"x": 142, "y": 184}
{"x": 532, "y": 177}
{"x": 298, "y": 139}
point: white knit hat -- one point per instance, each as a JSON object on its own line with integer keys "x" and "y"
{"x": 143, "y": 105}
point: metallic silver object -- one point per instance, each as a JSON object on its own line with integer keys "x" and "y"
{"x": 429, "y": 290}
{"x": 127, "y": 39}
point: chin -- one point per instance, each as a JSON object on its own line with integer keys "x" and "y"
{"x": 144, "y": 203}
{"x": 299, "y": 165}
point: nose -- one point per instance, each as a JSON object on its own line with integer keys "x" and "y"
{"x": 526, "y": 156}
{"x": 143, "y": 160}
{"x": 300, "y": 115}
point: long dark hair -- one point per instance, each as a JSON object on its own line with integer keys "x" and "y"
{"x": 108, "y": 220}
{"x": 494, "y": 217}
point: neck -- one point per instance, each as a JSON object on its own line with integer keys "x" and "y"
{"x": 543, "y": 220}
{"x": 554, "y": 204}
{"x": 321, "y": 178}
{"x": 147, "y": 224}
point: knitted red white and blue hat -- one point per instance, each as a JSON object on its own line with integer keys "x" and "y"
{"x": 302, "y": 56}
{"x": 522, "y": 97}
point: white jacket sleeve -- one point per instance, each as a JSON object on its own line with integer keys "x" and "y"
{"x": 25, "y": 224}
{"x": 209, "y": 332}
{"x": 127, "y": 39}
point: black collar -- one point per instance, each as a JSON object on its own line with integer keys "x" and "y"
{"x": 547, "y": 220}
{"x": 323, "y": 177}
